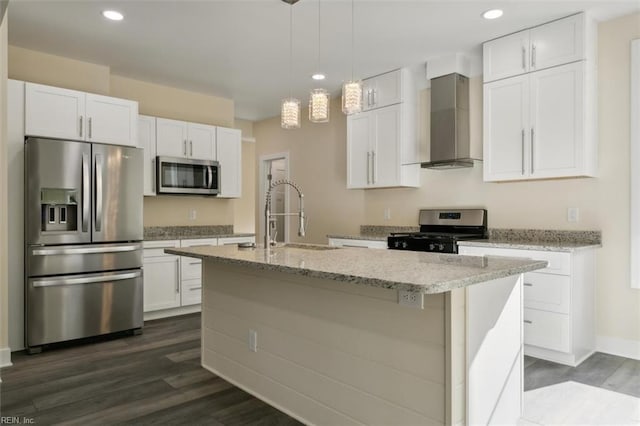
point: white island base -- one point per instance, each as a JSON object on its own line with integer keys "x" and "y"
{"x": 336, "y": 353}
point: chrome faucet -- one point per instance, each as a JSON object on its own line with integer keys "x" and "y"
{"x": 269, "y": 218}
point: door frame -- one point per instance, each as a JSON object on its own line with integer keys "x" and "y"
{"x": 262, "y": 182}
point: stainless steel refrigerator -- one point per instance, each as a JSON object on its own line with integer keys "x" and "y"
{"x": 83, "y": 239}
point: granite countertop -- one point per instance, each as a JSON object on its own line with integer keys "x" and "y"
{"x": 375, "y": 232}
{"x": 537, "y": 239}
{"x": 156, "y": 233}
{"x": 428, "y": 273}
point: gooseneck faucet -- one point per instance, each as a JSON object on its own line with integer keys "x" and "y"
{"x": 270, "y": 218}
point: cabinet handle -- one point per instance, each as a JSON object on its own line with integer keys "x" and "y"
{"x": 369, "y": 97}
{"x": 522, "y": 152}
{"x": 195, "y": 288}
{"x": 533, "y": 56}
{"x": 528, "y": 322}
{"x": 184, "y": 147}
{"x": 80, "y": 126}
{"x": 90, "y": 127}
{"x": 532, "y": 151}
{"x": 191, "y": 148}
{"x": 368, "y": 167}
{"x": 524, "y": 59}
{"x": 528, "y": 285}
{"x": 374, "y": 93}
{"x": 373, "y": 167}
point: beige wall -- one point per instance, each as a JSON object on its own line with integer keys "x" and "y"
{"x": 317, "y": 163}
{"x": 603, "y": 202}
{"x": 4, "y": 278}
{"x": 154, "y": 99}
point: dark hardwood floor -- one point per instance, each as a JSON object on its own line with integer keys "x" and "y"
{"x": 153, "y": 378}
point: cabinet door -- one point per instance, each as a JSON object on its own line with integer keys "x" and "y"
{"x": 147, "y": 141}
{"x": 171, "y": 138}
{"x": 557, "y": 121}
{"x": 229, "y": 155}
{"x": 201, "y": 141}
{"x": 506, "y": 129}
{"x": 506, "y": 56}
{"x": 111, "y": 120}
{"x": 386, "y": 148}
{"x": 54, "y": 112}
{"x": 161, "y": 283}
{"x": 359, "y": 135}
{"x": 558, "y": 42}
{"x": 382, "y": 90}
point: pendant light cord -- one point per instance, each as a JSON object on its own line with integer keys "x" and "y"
{"x": 353, "y": 50}
{"x": 318, "y": 66}
{"x": 291, "y": 51}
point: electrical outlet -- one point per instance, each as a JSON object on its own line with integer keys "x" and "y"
{"x": 387, "y": 213}
{"x": 573, "y": 214}
{"x": 411, "y": 298}
{"x": 192, "y": 214}
{"x": 253, "y": 341}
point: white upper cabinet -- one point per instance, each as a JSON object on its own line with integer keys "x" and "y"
{"x": 69, "y": 114}
{"x": 229, "y": 155}
{"x": 147, "y": 141}
{"x": 382, "y": 90}
{"x": 381, "y": 140}
{"x": 543, "y": 124}
{"x": 549, "y": 45}
{"x": 187, "y": 140}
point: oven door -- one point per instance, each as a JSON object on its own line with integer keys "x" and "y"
{"x": 185, "y": 176}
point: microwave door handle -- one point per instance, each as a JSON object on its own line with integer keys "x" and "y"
{"x": 98, "y": 192}
{"x": 85, "y": 192}
{"x": 209, "y": 177}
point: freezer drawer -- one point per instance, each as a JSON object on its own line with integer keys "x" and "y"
{"x": 78, "y": 259}
{"x": 75, "y": 306}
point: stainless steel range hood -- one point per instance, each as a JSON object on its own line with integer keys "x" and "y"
{"x": 450, "y": 145}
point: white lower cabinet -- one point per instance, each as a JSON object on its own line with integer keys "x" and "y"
{"x": 161, "y": 276}
{"x": 191, "y": 272}
{"x": 559, "y": 303}
{"x": 348, "y": 242}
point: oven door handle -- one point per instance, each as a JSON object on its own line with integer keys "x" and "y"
{"x": 85, "y": 280}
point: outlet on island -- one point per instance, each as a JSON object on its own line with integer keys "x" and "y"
{"x": 192, "y": 214}
{"x": 253, "y": 341}
{"x": 411, "y": 299}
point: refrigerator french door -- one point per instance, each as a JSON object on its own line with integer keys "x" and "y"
{"x": 84, "y": 229}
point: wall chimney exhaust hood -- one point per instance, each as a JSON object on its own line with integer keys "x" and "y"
{"x": 450, "y": 139}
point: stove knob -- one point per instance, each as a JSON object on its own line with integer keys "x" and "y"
{"x": 404, "y": 245}
{"x": 441, "y": 247}
{"x": 432, "y": 247}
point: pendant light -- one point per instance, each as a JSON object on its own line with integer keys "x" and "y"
{"x": 319, "y": 106}
{"x": 352, "y": 90}
{"x": 290, "y": 114}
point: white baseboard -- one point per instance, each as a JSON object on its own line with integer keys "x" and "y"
{"x": 621, "y": 347}
{"x": 184, "y": 310}
{"x": 5, "y": 358}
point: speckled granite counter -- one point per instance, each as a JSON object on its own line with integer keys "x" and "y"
{"x": 154, "y": 233}
{"x": 427, "y": 273}
{"x": 375, "y": 232}
{"x": 539, "y": 239}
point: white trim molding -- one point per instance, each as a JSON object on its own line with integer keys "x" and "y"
{"x": 5, "y": 358}
{"x": 616, "y": 346}
{"x": 635, "y": 163}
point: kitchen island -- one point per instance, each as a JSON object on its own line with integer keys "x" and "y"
{"x": 354, "y": 336}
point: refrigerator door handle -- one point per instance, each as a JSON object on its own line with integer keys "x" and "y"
{"x": 98, "y": 192}
{"x": 89, "y": 250}
{"x": 46, "y": 282}
{"x": 85, "y": 192}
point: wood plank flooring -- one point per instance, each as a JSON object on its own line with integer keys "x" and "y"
{"x": 151, "y": 379}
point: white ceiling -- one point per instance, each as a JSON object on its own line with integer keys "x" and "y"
{"x": 239, "y": 49}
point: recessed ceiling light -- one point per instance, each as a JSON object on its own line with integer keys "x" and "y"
{"x": 113, "y": 15}
{"x": 492, "y": 14}
{"x": 318, "y": 76}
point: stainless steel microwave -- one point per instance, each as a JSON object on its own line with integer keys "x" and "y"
{"x": 176, "y": 175}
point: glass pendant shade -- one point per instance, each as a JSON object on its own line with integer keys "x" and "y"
{"x": 290, "y": 115}
{"x": 352, "y": 97}
{"x": 319, "y": 106}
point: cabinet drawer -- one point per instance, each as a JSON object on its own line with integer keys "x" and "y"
{"x": 197, "y": 242}
{"x": 190, "y": 268}
{"x": 191, "y": 292}
{"x": 547, "y": 292}
{"x": 547, "y": 330}
{"x": 559, "y": 262}
{"x": 156, "y": 248}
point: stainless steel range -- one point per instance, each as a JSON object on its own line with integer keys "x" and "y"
{"x": 440, "y": 230}
{"x": 83, "y": 240}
